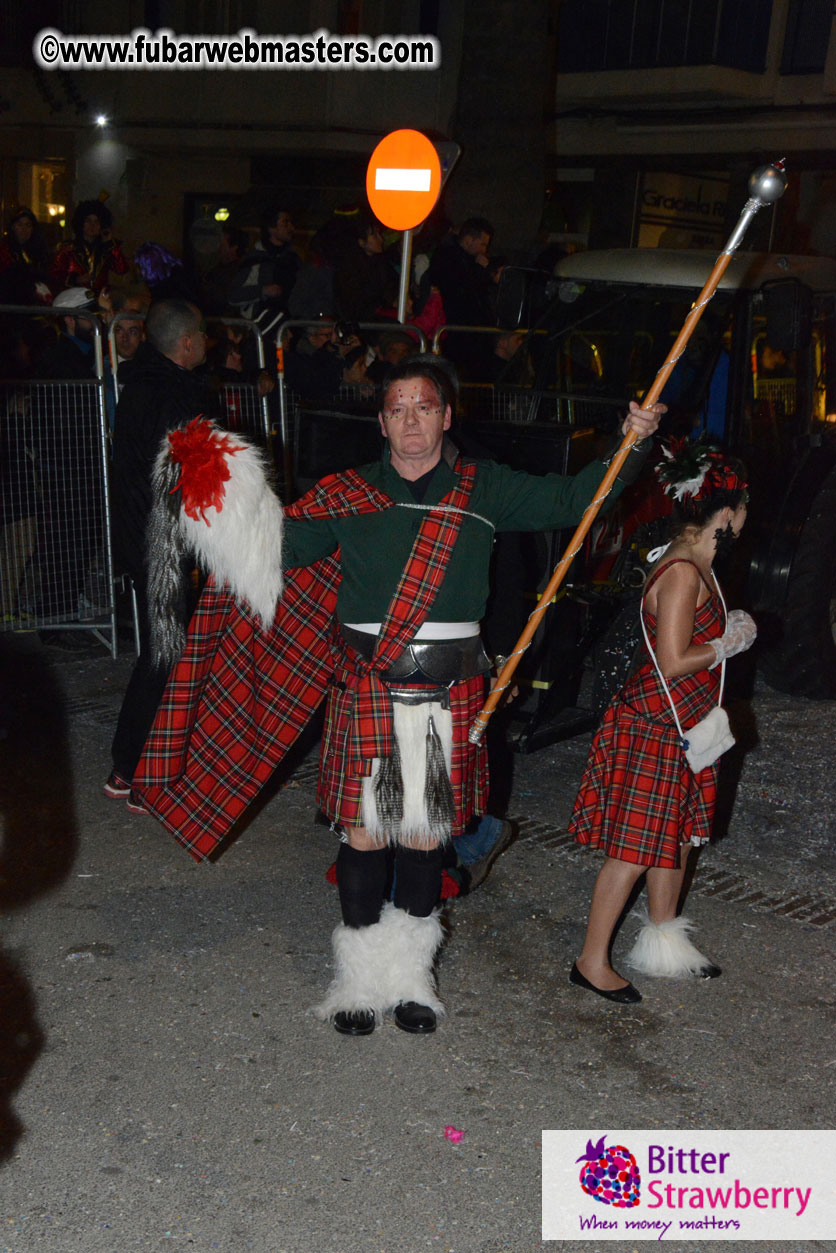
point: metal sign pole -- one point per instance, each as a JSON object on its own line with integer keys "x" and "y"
{"x": 406, "y": 266}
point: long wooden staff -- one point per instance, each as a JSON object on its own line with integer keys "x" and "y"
{"x": 766, "y": 185}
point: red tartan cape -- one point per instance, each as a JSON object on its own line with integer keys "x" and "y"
{"x": 239, "y": 696}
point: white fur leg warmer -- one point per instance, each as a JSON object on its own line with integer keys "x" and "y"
{"x": 377, "y": 967}
{"x": 663, "y": 949}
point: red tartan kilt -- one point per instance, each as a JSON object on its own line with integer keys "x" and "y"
{"x": 638, "y": 799}
{"x": 339, "y": 793}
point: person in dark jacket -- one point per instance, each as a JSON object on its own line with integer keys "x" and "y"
{"x": 364, "y": 283}
{"x": 217, "y": 282}
{"x": 24, "y": 262}
{"x": 162, "y": 391}
{"x": 267, "y": 274}
{"x": 460, "y": 270}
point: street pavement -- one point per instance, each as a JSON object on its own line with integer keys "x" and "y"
{"x": 165, "y": 1087}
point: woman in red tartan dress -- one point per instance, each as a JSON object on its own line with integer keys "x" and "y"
{"x": 639, "y": 800}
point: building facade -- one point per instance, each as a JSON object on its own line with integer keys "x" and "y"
{"x": 663, "y": 107}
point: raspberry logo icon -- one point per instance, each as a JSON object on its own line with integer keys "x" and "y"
{"x": 610, "y": 1175}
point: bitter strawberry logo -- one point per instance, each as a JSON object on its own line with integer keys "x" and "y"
{"x": 610, "y": 1174}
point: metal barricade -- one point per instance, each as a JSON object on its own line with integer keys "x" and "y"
{"x": 520, "y": 403}
{"x": 493, "y": 402}
{"x": 245, "y": 411}
{"x": 55, "y": 544}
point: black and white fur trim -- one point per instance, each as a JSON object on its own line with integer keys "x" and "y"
{"x": 240, "y": 544}
{"x": 408, "y": 798}
{"x": 165, "y": 552}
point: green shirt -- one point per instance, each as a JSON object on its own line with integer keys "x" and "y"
{"x": 375, "y": 547}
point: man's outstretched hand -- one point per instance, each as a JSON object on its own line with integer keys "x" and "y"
{"x": 643, "y": 421}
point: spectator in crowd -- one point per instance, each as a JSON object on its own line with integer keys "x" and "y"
{"x": 23, "y": 341}
{"x": 229, "y": 364}
{"x": 267, "y": 275}
{"x": 507, "y": 362}
{"x": 316, "y": 367}
{"x": 326, "y": 254}
{"x": 128, "y": 334}
{"x": 435, "y": 232}
{"x": 392, "y": 348}
{"x": 333, "y": 240}
{"x": 71, "y": 356}
{"x": 460, "y": 269}
{"x": 92, "y": 255}
{"x": 24, "y": 262}
{"x": 217, "y": 282}
{"x": 163, "y": 391}
{"x": 364, "y": 282}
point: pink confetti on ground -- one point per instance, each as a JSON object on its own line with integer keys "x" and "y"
{"x": 452, "y": 1133}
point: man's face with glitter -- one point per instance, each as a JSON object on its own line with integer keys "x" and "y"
{"x": 414, "y": 420}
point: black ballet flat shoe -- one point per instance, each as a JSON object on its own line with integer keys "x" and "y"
{"x": 415, "y": 1018}
{"x": 709, "y": 971}
{"x": 622, "y": 996}
{"x": 354, "y": 1022}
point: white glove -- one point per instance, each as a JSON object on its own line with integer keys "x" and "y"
{"x": 740, "y": 634}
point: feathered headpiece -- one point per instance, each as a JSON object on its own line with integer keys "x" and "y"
{"x": 696, "y": 471}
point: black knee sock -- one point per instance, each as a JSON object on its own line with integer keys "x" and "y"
{"x": 418, "y": 883}
{"x": 362, "y": 879}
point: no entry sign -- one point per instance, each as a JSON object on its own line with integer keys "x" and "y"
{"x": 403, "y": 179}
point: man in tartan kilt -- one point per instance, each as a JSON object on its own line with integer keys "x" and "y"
{"x": 390, "y": 565}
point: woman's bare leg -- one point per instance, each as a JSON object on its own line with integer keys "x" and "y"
{"x": 612, "y": 887}
{"x": 664, "y": 888}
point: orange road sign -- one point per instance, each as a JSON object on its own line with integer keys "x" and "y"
{"x": 403, "y": 179}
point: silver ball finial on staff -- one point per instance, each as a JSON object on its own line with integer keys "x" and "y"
{"x": 766, "y": 185}
{"x": 768, "y": 182}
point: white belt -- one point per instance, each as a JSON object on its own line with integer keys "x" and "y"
{"x": 429, "y": 631}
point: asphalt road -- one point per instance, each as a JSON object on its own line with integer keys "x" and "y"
{"x": 164, "y": 1086}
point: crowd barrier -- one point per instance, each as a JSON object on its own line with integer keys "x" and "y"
{"x": 57, "y": 570}
{"x": 55, "y": 545}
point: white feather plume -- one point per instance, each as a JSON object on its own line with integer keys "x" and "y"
{"x": 687, "y": 487}
{"x": 239, "y": 542}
